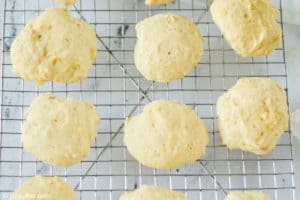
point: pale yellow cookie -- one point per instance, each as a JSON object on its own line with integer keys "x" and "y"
{"x": 157, "y": 2}
{"x": 54, "y": 47}
{"x": 59, "y": 131}
{"x": 253, "y": 114}
{"x": 44, "y": 188}
{"x": 168, "y": 47}
{"x": 252, "y": 195}
{"x": 249, "y": 26}
{"x": 151, "y": 192}
{"x": 67, "y": 2}
{"x": 167, "y": 134}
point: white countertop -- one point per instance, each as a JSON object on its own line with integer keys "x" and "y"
{"x": 292, "y": 42}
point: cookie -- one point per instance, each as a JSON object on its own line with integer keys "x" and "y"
{"x": 59, "y": 131}
{"x": 168, "y": 47}
{"x": 250, "y": 26}
{"x": 44, "y": 188}
{"x": 151, "y": 192}
{"x": 166, "y": 135}
{"x": 157, "y": 2}
{"x": 252, "y": 195}
{"x": 253, "y": 114}
{"x": 54, "y": 47}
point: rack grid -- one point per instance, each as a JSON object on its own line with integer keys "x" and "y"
{"x": 118, "y": 90}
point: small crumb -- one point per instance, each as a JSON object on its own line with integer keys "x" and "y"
{"x": 67, "y": 2}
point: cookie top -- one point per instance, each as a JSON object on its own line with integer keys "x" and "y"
{"x": 67, "y": 2}
{"x": 44, "y": 188}
{"x": 59, "y": 131}
{"x": 157, "y": 2}
{"x": 168, "y": 47}
{"x": 151, "y": 192}
{"x": 253, "y": 114}
{"x": 252, "y": 195}
{"x": 165, "y": 135}
{"x": 54, "y": 47}
{"x": 249, "y": 26}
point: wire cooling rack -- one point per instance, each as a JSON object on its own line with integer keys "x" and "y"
{"x": 118, "y": 90}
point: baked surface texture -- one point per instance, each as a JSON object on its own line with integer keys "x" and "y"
{"x": 168, "y": 47}
{"x": 151, "y": 192}
{"x": 253, "y": 114}
{"x": 251, "y": 195}
{"x": 157, "y": 2}
{"x": 44, "y": 188}
{"x": 249, "y": 26}
{"x": 167, "y": 134}
{"x": 54, "y": 47}
{"x": 59, "y": 131}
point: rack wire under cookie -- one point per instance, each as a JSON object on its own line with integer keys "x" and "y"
{"x": 118, "y": 90}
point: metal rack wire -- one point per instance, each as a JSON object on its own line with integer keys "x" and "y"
{"x": 118, "y": 90}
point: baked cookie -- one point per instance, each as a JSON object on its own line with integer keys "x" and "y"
{"x": 168, "y": 47}
{"x": 253, "y": 114}
{"x": 157, "y": 2}
{"x": 165, "y": 135}
{"x": 67, "y": 2}
{"x": 253, "y": 195}
{"x": 249, "y": 26}
{"x": 151, "y": 192}
{"x": 59, "y": 131}
{"x": 54, "y": 47}
{"x": 44, "y": 188}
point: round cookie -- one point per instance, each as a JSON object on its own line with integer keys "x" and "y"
{"x": 151, "y": 192}
{"x": 54, "y": 47}
{"x": 59, "y": 131}
{"x": 168, "y": 47}
{"x": 44, "y": 188}
{"x": 157, "y": 2}
{"x": 67, "y": 2}
{"x": 249, "y": 26}
{"x": 252, "y": 195}
{"x": 167, "y": 134}
{"x": 253, "y": 114}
